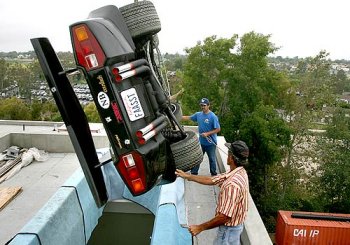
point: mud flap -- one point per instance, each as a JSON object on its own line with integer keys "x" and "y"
{"x": 73, "y": 116}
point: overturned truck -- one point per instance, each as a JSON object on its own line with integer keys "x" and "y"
{"x": 117, "y": 51}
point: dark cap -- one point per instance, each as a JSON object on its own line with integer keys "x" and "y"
{"x": 204, "y": 101}
{"x": 240, "y": 150}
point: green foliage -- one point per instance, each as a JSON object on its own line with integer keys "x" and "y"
{"x": 334, "y": 182}
{"x": 3, "y": 77}
{"x": 339, "y": 127}
{"x": 266, "y": 132}
{"x": 91, "y": 113}
{"x": 315, "y": 83}
{"x": 17, "y": 109}
{"x": 234, "y": 74}
{"x": 284, "y": 191}
{"x": 36, "y": 108}
{"x": 174, "y": 62}
{"x": 49, "y": 112}
{"x": 267, "y": 136}
{"x": 273, "y": 111}
{"x": 14, "y": 109}
{"x": 205, "y": 72}
{"x": 341, "y": 81}
{"x": 250, "y": 82}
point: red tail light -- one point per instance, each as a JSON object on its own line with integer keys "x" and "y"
{"x": 131, "y": 167}
{"x": 88, "y": 51}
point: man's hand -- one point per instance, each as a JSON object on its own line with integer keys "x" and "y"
{"x": 182, "y": 174}
{"x": 206, "y": 134}
{"x": 204, "y": 180}
{"x": 195, "y": 229}
{"x": 219, "y": 219}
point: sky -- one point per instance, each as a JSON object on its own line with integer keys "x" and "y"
{"x": 299, "y": 27}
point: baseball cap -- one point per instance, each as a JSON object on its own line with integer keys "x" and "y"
{"x": 204, "y": 101}
{"x": 240, "y": 150}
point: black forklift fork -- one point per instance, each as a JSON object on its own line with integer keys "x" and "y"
{"x": 73, "y": 116}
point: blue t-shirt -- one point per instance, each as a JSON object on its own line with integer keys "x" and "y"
{"x": 206, "y": 123}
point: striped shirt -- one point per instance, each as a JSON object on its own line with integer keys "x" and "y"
{"x": 233, "y": 197}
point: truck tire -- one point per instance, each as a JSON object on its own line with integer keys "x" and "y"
{"x": 141, "y": 18}
{"x": 155, "y": 40}
{"x": 177, "y": 111}
{"x": 187, "y": 153}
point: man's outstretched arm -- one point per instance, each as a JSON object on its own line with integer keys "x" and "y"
{"x": 186, "y": 117}
{"x": 204, "y": 180}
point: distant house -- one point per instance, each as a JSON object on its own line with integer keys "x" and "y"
{"x": 345, "y": 97}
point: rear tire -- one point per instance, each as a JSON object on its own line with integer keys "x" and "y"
{"x": 141, "y": 18}
{"x": 177, "y": 111}
{"x": 187, "y": 153}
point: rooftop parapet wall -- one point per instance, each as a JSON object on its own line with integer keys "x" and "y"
{"x": 42, "y": 135}
{"x": 59, "y": 142}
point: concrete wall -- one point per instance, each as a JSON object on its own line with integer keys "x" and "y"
{"x": 69, "y": 217}
{"x": 43, "y": 138}
{"x": 31, "y": 123}
{"x": 5, "y": 142}
{"x": 59, "y": 142}
{"x": 54, "y": 143}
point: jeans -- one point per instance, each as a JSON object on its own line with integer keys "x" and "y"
{"x": 210, "y": 150}
{"x": 229, "y": 235}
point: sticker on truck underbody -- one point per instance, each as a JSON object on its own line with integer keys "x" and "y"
{"x": 132, "y": 104}
{"x": 103, "y": 100}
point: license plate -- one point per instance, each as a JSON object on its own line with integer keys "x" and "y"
{"x": 132, "y": 104}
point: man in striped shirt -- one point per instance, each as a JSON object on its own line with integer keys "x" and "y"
{"x": 232, "y": 206}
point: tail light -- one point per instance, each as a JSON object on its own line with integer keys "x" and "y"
{"x": 88, "y": 51}
{"x": 132, "y": 169}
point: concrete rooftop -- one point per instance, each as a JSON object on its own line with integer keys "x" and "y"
{"x": 40, "y": 180}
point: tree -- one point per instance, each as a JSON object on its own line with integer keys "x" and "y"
{"x": 91, "y": 112}
{"x": 265, "y": 132}
{"x": 205, "y": 72}
{"x": 334, "y": 171}
{"x": 14, "y": 109}
{"x": 23, "y": 76}
{"x": 311, "y": 89}
{"x": 45, "y": 111}
{"x": 35, "y": 109}
{"x": 273, "y": 112}
{"x": 234, "y": 73}
{"x": 50, "y": 112}
{"x": 3, "y": 70}
{"x": 342, "y": 82}
{"x": 174, "y": 62}
{"x": 251, "y": 82}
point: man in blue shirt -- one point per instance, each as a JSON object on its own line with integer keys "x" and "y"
{"x": 208, "y": 127}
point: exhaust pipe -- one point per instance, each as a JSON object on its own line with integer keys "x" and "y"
{"x": 150, "y": 134}
{"x": 150, "y": 126}
{"x": 132, "y": 65}
{"x": 138, "y": 70}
